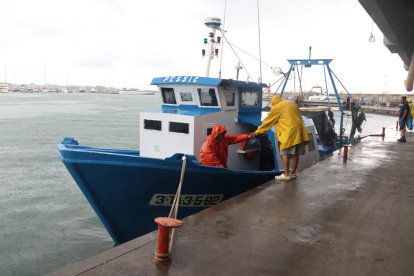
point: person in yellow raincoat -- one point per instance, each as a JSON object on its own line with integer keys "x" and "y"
{"x": 410, "y": 115}
{"x": 290, "y": 130}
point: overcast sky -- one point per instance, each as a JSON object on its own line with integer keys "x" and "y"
{"x": 98, "y": 42}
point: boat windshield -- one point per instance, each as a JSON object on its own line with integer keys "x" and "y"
{"x": 186, "y": 97}
{"x": 207, "y": 97}
{"x": 168, "y": 95}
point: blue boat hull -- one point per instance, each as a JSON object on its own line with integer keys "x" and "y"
{"x": 120, "y": 185}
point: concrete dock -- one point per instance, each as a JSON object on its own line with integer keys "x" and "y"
{"x": 337, "y": 218}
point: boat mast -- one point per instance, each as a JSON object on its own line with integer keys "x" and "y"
{"x": 45, "y": 74}
{"x": 213, "y": 23}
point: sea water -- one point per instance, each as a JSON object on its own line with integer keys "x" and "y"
{"x": 45, "y": 221}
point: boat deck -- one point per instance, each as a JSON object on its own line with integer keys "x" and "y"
{"x": 336, "y": 218}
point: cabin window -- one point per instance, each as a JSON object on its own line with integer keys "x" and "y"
{"x": 179, "y": 127}
{"x": 168, "y": 95}
{"x": 230, "y": 99}
{"x": 186, "y": 97}
{"x": 209, "y": 130}
{"x": 207, "y": 96}
{"x": 152, "y": 125}
{"x": 250, "y": 99}
{"x": 311, "y": 145}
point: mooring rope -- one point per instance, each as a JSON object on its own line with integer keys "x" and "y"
{"x": 176, "y": 203}
{"x": 173, "y": 214}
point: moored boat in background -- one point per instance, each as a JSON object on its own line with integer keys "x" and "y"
{"x": 4, "y": 88}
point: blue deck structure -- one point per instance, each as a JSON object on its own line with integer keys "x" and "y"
{"x": 294, "y": 66}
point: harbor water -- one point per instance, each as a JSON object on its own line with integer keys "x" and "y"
{"x": 46, "y": 222}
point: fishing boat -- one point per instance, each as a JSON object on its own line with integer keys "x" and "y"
{"x": 129, "y": 188}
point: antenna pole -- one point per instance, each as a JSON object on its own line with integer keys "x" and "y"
{"x": 260, "y": 48}
{"x": 213, "y": 23}
{"x": 212, "y": 35}
{"x": 310, "y": 51}
{"x": 222, "y": 44}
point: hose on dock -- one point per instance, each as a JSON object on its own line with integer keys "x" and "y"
{"x": 372, "y": 135}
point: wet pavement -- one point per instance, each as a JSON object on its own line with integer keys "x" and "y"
{"x": 337, "y": 218}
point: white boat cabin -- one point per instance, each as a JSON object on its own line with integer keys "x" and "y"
{"x": 192, "y": 105}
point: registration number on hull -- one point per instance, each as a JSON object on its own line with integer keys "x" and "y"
{"x": 186, "y": 200}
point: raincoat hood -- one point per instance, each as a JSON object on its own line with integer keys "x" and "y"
{"x": 217, "y": 130}
{"x": 275, "y": 100}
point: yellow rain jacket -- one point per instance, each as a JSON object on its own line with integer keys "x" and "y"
{"x": 286, "y": 118}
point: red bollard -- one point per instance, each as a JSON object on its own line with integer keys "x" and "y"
{"x": 396, "y": 126}
{"x": 164, "y": 225}
{"x": 383, "y": 131}
{"x": 345, "y": 159}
